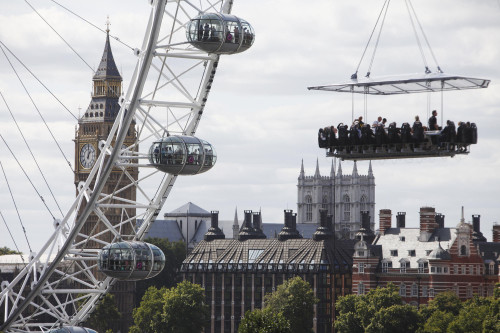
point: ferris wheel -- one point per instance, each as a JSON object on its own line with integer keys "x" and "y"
{"x": 176, "y": 65}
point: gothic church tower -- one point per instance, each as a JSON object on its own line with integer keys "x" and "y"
{"x": 345, "y": 197}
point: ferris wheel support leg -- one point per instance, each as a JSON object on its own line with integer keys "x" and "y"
{"x": 120, "y": 137}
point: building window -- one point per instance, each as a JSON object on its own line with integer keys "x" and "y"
{"x": 424, "y": 291}
{"x": 386, "y": 265}
{"x": 361, "y": 268}
{"x": 402, "y": 238}
{"x": 404, "y": 264}
{"x": 414, "y": 290}
{"x": 394, "y": 253}
{"x": 309, "y": 208}
{"x": 491, "y": 268}
{"x": 361, "y": 289}
{"x": 402, "y": 290}
{"x": 431, "y": 292}
{"x": 362, "y": 203}
{"x": 469, "y": 291}
{"x": 411, "y": 253}
{"x": 455, "y": 289}
{"x": 347, "y": 207}
{"x": 324, "y": 203}
{"x": 463, "y": 250}
{"x": 433, "y": 269}
{"x": 422, "y": 265}
{"x": 463, "y": 269}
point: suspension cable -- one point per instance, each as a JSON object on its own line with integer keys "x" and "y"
{"x": 378, "y": 39}
{"x": 427, "y": 70}
{"x": 425, "y": 37}
{"x": 28, "y": 177}
{"x": 15, "y": 205}
{"x": 2, "y": 45}
{"x": 12, "y": 237}
{"x": 355, "y": 75}
{"x": 39, "y": 113}
{"x": 31, "y": 152}
{"x": 92, "y": 24}
{"x": 72, "y": 49}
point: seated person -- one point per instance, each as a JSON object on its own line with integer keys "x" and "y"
{"x": 448, "y": 134}
{"x": 393, "y": 133}
{"x": 380, "y": 135}
{"x": 417, "y": 131}
{"x": 331, "y": 136}
{"x": 433, "y": 126}
{"x": 343, "y": 134}
{"x": 367, "y": 135}
{"x": 321, "y": 138}
{"x": 406, "y": 133}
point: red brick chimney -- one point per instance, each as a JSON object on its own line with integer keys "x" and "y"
{"x": 496, "y": 233}
{"x": 427, "y": 222}
{"x": 385, "y": 217}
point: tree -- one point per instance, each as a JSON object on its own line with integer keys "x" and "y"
{"x": 295, "y": 299}
{"x": 148, "y": 316}
{"x": 395, "y": 319}
{"x": 374, "y": 312}
{"x": 175, "y": 253}
{"x": 5, "y": 250}
{"x": 185, "y": 310}
{"x": 445, "y": 302}
{"x": 264, "y": 321}
{"x": 479, "y": 314}
{"x": 104, "y": 314}
{"x": 438, "y": 322}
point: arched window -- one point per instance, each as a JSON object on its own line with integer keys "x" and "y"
{"x": 362, "y": 203}
{"x": 414, "y": 290}
{"x": 463, "y": 250}
{"x": 402, "y": 290}
{"x": 324, "y": 202}
{"x": 309, "y": 208}
{"x": 347, "y": 207}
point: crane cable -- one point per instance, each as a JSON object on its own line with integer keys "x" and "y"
{"x": 378, "y": 39}
{"x": 15, "y": 205}
{"x": 355, "y": 75}
{"x": 12, "y": 237}
{"x": 31, "y": 152}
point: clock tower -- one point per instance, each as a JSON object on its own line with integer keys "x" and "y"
{"x": 94, "y": 126}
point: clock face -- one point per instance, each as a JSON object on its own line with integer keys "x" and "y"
{"x": 87, "y": 156}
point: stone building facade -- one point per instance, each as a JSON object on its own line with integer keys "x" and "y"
{"x": 344, "y": 197}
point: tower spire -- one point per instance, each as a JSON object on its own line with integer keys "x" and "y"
{"x": 355, "y": 170}
{"x": 302, "y": 175}
{"x": 332, "y": 171}
{"x": 316, "y": 174}
{"x": 370, "y": 171}
{"x": 339, "y": 171}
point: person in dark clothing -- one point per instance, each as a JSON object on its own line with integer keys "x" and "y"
{"x": 433, "y": 126}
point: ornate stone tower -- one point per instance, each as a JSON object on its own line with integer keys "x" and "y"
{"x": 345, "y": 197}
{"x": 93, "y": 126}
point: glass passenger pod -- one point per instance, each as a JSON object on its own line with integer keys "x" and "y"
{"x": 131, "y": 260}
{"x": 220, "y": 33}
{"x": 182, "y": 155}
{"x": 72, "y": 329}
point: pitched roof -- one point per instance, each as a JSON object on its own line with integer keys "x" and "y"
{"x": 107, "y": 67}
{"x": 188, "y": 209}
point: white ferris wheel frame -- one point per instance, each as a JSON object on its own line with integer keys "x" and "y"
{"x": 157, "y": 89}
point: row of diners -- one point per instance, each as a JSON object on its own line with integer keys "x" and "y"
{"x": 416, "y": 136}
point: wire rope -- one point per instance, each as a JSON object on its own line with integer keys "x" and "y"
{"x": 355, "y": 75}
{"x": 32, "y": 155}
{"x": 36, "y": 78}
{"x": 92, "y": 24}
{"x": 378, "y": 39}
{"x": 425, "y": 37}
{"x": 39, "y": 113}
{"x": 28, "y": 177}
{"x": 12, "y": 237}
{"x": 427, "y": 70}
{"x": 15, "y": 205}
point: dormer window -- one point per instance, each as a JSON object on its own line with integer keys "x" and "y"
{"x": 463, "y": 250}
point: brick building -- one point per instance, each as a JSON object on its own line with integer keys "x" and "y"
{"x": 427, "y": 260}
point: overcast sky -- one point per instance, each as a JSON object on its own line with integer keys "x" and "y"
{"x": 260, "y": 116}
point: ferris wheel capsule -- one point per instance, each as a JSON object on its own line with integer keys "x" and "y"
{"x": 131, "y": 260}
{"x": 220, "y": 33}
{"x": 72, "y": 329}
{"x": 182, "y": 155}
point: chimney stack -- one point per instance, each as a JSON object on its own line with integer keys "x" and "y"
{"x": 440, "y": 220}
{"x": 476, "y": 223}
{"x": 324, "y": 231}
{"x": 496, "y": 233}
{"x": 385, "y": 217}
{"x": 214, "y": 232}
{"x": 401, "y": 220}
{"x": 289, "y": 231}
{"x": 427, "y": 223}
{"x": 246, "y": 231}
{"x": 257, "y": 225}
{"x": 365, "y": 220}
